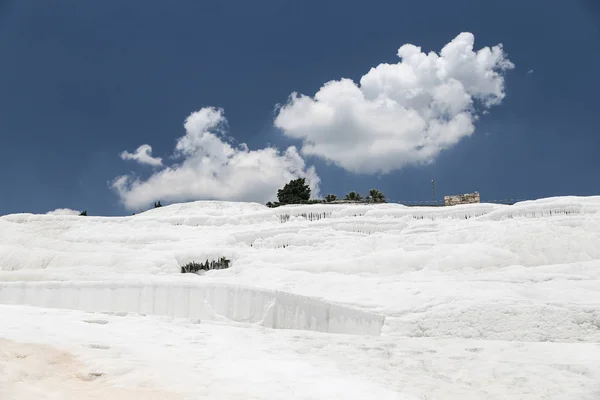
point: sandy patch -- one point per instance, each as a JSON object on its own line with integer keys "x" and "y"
{"x": 34, "y": 371}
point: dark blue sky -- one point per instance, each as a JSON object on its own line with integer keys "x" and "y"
{"x": 82, "y": 81}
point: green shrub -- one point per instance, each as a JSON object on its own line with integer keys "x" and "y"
{"x": 353, "y": 196}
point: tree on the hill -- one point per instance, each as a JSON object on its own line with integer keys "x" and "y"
{"x": 83, "y": 213}
{"x": 295, "y": 191}
{"x": 354, "y": 196}
{"x": 330, "y": 197}
{"x": 157, "y": 204}
{"x": 376, "y": 196}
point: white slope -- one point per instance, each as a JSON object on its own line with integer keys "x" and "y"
{"x": 185, "y": 359}
{"x": 468, "y": 302}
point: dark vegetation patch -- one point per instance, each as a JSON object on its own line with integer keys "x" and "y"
{"x": 194, "y": 267}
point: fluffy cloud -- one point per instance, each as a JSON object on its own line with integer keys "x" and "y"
{"x": 63, "y": 211}
{"x": 212, "y": 168}
{"x": 399, "y": 114}
{"x": 143, "y": 155}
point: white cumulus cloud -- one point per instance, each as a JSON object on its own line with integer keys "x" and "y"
{"x": 143, "y": 155}
{"x": 212, "y": 168}
{"x": 63, "y": 211}
{"x": 399, "y": 114}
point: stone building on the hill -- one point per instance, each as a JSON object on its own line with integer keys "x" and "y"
{"x": 467, "y": 198}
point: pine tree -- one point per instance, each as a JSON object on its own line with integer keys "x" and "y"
{"x": 294, "y": 192}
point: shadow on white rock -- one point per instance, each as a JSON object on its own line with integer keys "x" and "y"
{"x": 269, "y": 308}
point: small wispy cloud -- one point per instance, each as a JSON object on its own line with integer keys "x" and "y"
{"x": 530, "y": 72}
{"x": 63, "y": 211}
{"x": 143, "y": 155}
